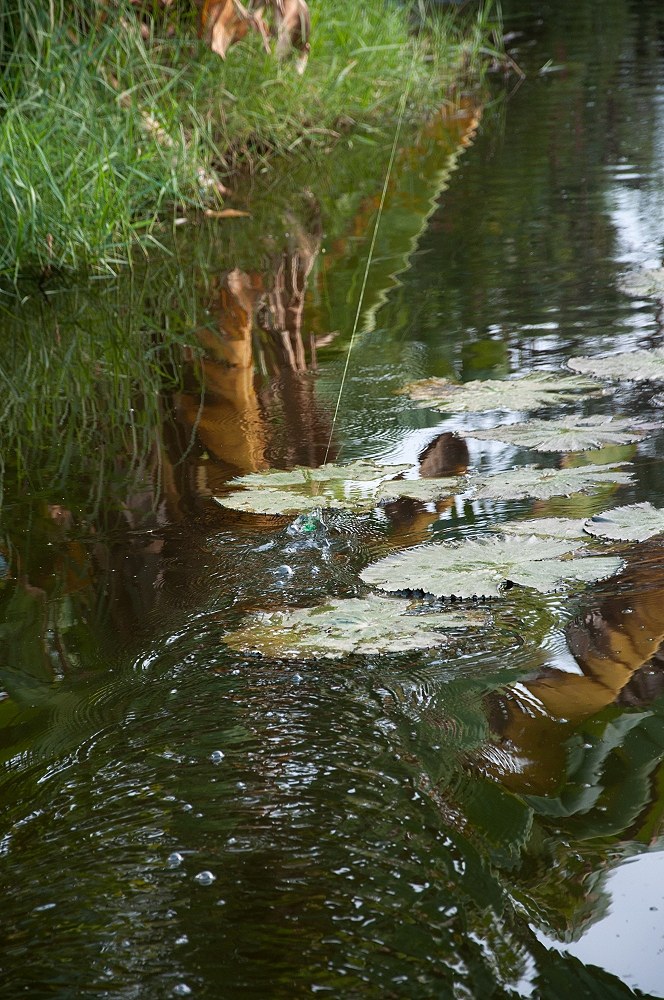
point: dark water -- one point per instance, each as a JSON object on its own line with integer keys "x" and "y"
{"x": 485, "y": 820}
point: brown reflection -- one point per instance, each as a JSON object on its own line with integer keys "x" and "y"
{"x": 239, "y": 419}
{"x": 411, "y": 520}
{"x": 619, "y": 648}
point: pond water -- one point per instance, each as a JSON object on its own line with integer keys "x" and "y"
{"x": 482, "y": 819}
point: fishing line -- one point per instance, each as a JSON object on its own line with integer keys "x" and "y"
{"x": 388, "y": 173}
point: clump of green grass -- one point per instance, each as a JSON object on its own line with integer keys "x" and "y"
{"x": 103, "y": 132}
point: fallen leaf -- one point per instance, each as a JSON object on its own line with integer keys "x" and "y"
{"x": 227, "y": 213}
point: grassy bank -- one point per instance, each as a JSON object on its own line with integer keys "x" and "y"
{"x": 103, "y": 132}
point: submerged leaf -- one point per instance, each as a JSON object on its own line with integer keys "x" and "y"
{"x": 369, "y": 626}
{"x": 545, "y": 527}
{"x": 648, "y": 282}
{"x": 568, "y": 434}
{"x": 633, "y": 523}
{"x": 527, "y": 393}
{"x": 530, "y": 481}
{"x": 426, "y": 490}
{"x": 630, "y": 366}
{"x": 357, "y": 486}
{"x": 479, "y": 567}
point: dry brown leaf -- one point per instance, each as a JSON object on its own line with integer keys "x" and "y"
{"x": 227, "y": 213}
{"x": 224, "y": 22}
{"x": 222, "y": 25}
{"x": 293, "y": 25}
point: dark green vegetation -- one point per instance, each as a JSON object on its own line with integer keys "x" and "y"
{"x": 453, "y": 822}
{"x": 106, "y": 134}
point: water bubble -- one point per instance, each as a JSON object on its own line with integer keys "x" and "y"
{"x": 304, "y": 524}
{"x": 181, "y": 990}
{"x": 175, "y": 859}
{"x": 283, "y": 572}
{"x": 297, "y": 678}
{"x": 183, "y": 939}
{"x": 217, "y": 756}
{"x": 205, "y": 878}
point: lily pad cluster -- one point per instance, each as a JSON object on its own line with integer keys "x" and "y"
{"x": 358, "y": 486}
{"x": 543, "y": 554}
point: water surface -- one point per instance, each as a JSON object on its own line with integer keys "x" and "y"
{"x": 483, "y": 820}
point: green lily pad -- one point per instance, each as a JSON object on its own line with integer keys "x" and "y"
{"x": 530, "y": 481}
{"x": 545, "y": 527}
{"x": 527, "y": 393}
{"x": 633, "y": 523}
{"x": 630, "y": 366}
{"x": 370, "y": 626}
{"x": 479, "y": 567}
{"x": 568, "y": 434}
{"x": 356, "y": 486}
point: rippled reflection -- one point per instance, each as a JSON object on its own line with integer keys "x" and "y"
{"x": 181, "y": 820}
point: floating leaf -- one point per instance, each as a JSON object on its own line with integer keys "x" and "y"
{"x": 277, "y": 502}
{"x": 357, "y": 486}
{"x": 479, "y": 567}
{"x": 545, "y": 527}
{"x": 630, "y": 366}
{"x": 648, "y": 283}
{"x": 530, "y": 481}
{"x": 338, "y": 475}
{"x": 426, "y": 490}
{"x": 527, "y": 393}
{"x": 369, "y": 626}
{"x": 569, "y": 434}
{"x": 633, "y": 523}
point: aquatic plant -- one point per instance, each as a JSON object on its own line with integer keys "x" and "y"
{"x": 629, "y": 366}
{"x": 632, "y": 523}
{"x": 481, "y": 567}
{"x": 373, "y": 625}
{"x": 570, "y": 433}
{"x": 531, "y": 481}
{"x": 357, "y": 486}
{"x": 528, "y": 392}
{"x": 547, "y": 527}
